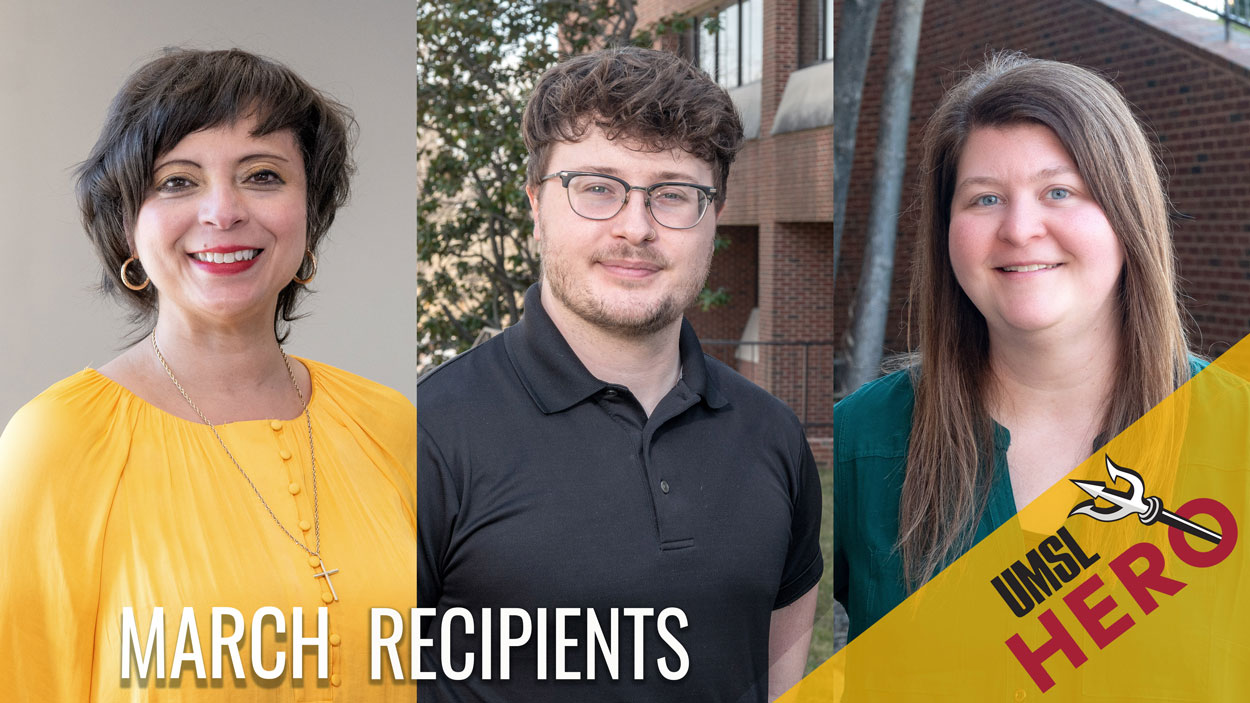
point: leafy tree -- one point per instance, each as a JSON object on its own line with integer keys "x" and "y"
{"x": 477, "y": 63}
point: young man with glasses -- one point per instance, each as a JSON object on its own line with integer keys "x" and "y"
{"x": 620, "y": 517}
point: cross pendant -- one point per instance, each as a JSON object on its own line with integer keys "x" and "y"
{"x": 326, "y": 575}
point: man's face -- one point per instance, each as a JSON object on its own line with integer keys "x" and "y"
{"x": 627, "y": 275}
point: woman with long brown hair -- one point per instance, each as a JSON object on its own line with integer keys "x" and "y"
{"x": 1045, "y": 299}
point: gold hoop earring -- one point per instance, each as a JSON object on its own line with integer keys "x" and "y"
{"x": 126, "y": 279}
{"x": 306, "y": 281}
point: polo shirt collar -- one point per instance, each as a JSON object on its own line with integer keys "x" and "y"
{"x": 695, "y": 372}
{"x": 557, "y": 380}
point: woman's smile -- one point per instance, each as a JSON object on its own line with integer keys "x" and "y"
{"x": 224, "y": 227}
{"x": 226, "y": 260}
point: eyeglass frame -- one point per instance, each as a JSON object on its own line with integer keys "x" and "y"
{"x": 566, "y": 176}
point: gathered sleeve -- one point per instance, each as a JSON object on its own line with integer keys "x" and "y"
{"x": 60, "y": 464}
{"x": 382, "y": 422}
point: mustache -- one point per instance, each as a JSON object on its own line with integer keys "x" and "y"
{"x": 632, "y": 253}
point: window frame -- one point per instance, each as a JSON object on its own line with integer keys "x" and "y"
{"x": 736, "y": 17}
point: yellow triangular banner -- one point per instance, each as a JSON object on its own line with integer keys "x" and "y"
{"x": 1151, "y": 604}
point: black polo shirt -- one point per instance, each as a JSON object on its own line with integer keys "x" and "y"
{"x": 542, "y": 487}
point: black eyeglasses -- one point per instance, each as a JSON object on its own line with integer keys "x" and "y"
{"x": 598, "y": 196}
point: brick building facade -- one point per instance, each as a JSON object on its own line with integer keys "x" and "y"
{"x": 1190, "y": 87}
{"x": 779, "y": 213}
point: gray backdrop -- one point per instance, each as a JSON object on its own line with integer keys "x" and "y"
{"x": 61, "y": 61}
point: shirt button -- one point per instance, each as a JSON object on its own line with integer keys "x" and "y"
{"x": 275, "y": 425}
{"x": 335, "y": 639}
{"x": 327, "y": 599}
{"x": 314, "y": 562}
{"x": 285, "y": 455}
{"x": 1020, "y": 695}
{"x": 305, "y": 525}
{"x": 664, "y": 486}
{"x": 336, "y": 680}
{"x": 293, "y": 488}
{"x": 610, "y": 393}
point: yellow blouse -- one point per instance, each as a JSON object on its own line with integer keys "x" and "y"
{"x": 107, "y": 502}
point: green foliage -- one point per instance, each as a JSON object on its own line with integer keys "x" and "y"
{"x": 823, "y": 630}
{"x": 477, "y": 63}
{"x": 709, "y": 298}
{"x": 672, "y": 24}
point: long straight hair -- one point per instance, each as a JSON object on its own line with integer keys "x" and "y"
{"x": 950, "y": 457}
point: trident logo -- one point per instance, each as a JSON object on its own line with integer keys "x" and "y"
{"x": 1131, "y": 502}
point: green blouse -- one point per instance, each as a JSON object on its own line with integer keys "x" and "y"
{"x": 871, "y": 430}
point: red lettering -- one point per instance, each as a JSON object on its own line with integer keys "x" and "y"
{"x": 1151, "y": 578}
{"x": 1033, "y": 660}
{"x": 1228, "y": 532}
{"x": 1091, "y": 617}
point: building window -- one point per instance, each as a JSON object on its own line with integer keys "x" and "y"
{"x": 815, "y": 31}
{"x": 728, "y": 42}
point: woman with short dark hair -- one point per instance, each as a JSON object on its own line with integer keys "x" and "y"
{"x": 203, "y": 468}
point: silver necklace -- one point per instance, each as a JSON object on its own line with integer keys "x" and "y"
{"x": 312, "y": 553}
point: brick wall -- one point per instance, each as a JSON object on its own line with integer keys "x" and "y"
{"x": 781, "y": 201}
{"x": 822, "y": 450}
{"x": 796, "y": 304}
{"x": 734, "y": 268}
{"x": 651, "y": 10}
{"x": 809, "y": 31}
{"x": 1197, "y": 104}
{"x": 803, "y": 177}
{"x": 742, "y": 197}
{"x": 796, "y": 271}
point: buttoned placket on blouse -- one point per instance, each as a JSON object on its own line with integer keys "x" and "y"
{"x": 293, "y": 487}
{"x": 293, "y": 462}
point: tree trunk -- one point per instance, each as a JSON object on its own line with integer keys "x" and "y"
{"x": 872, "y": 299}
{"x": 850, "y": 64}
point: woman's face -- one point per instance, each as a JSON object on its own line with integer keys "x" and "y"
{"x": 1029, "y": 245}
{"x": 223, "y": 228}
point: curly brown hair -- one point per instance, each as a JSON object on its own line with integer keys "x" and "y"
{"x": 186, "y": 91}
{"x": 653, "y": 98}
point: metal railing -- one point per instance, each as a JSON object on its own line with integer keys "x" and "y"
{"x": 1230, "y": 12}
{"x": 821, "y": 360}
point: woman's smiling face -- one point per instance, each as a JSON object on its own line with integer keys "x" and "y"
{"x": 224, "y": 225}
{"x": 1028, "y": 243}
